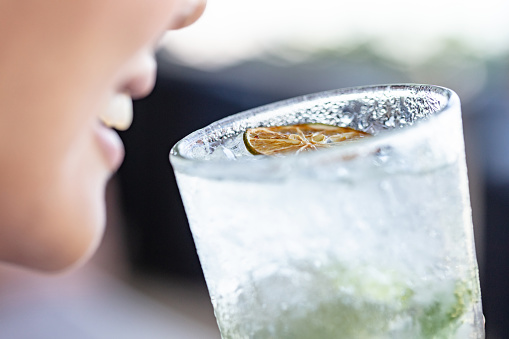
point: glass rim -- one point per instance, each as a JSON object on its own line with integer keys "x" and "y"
{"x": 179, "y": 161}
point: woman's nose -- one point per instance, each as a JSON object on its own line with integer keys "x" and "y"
{"x": 191, "y": 11}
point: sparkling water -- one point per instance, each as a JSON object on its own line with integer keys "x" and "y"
{"x": 368, "y": 240}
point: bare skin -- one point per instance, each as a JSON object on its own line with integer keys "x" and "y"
{"x": 62, "y": 63}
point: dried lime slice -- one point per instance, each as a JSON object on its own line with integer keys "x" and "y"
{"x": 297, "y": 138}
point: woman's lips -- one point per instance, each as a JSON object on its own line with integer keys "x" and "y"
{"x": 111, "y": 146}
{"x": 142, "y": 76}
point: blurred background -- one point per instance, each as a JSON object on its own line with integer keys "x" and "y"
{"x": 146, "y": 281}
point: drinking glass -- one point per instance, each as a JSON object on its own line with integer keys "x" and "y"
{"x": 370, "y": 239}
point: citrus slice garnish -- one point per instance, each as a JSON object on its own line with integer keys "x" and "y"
{"x": 297, "y": 138}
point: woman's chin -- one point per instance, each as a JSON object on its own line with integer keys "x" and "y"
{"x": 61, "y": 258}
{"x": 68, "y": 233}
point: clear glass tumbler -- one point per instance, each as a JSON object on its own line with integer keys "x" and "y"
{"x": 370, "y": 239}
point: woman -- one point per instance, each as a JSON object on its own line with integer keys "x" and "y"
{"x": 68, "y": 69}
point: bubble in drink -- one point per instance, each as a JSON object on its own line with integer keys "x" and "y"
{"x": 371, "y": 238}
